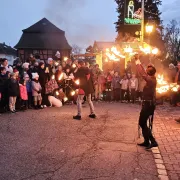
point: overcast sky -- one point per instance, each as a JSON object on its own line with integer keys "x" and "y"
{"x": 83, "y": 20}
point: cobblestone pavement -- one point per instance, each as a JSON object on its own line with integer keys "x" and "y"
{"x": 167, "y": 132}
{"x": 49, "y": 145}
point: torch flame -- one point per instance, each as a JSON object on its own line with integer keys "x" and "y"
{"x": 53, "y": 77}
{"x": 65, "y": 99}
{"x": 74, "y": 66}
{"x": 163, "y": 85}
{"x": 114, "y": 54}
{"x": 65, "y": 58}
{"x": 77, "y": 82}
{"x": 73, "y": 93}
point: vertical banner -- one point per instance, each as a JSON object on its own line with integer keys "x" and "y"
{"x": 99, "y": 60}
{"x": 132, "y": 14}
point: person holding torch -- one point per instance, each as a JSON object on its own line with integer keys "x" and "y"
{"x": 148, "y": 103}
{"x": 84, "y": 80}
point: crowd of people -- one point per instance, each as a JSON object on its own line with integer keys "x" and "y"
{"x": 38, "y": 84}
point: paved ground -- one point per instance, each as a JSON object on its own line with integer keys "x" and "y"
{"x": 167, "y": 132}
{"x": 49, "y": 145}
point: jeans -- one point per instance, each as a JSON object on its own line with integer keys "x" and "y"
{"x": 79, "y": 104}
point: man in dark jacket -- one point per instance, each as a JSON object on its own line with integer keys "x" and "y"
{"x": 148, "y": 104}
{"x": 83, "y": 75}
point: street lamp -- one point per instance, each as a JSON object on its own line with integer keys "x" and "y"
{"x": 149, "y": 28}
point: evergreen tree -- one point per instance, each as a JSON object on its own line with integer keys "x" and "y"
{"x": 152, "y": 16}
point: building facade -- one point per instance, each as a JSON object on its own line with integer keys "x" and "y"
{"x": 43, "y": 39}
{"x": 8, "y": 52}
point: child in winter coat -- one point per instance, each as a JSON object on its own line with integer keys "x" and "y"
{"x": 36, "y": 91}
{"x": 23, "y": 94}
{"x": 29, "y": 89}
{"x": 124, "y": 88}
{"x": 133, "y": 87}
{"x": 13, "y": 92}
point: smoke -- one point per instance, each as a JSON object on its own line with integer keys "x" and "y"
{"x": 74, "y": 17}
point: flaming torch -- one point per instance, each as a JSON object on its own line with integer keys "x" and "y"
{"x": 163, "y": 85}
{"x": 65, "y": 58}
{"x": 57, "y": 93}
{"x": 65, "y": 99}
{"x": 77, "y": 82}
{"x": 53, "y": 77}
{"x": 73, "y": 93}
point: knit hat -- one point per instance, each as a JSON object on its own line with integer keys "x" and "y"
{"x": 25, "y": 65}
{"x": 12, "y": 74}
{"x": 15, "y": 71}
{"x": 26, "y": 75}
{"x": 35, "y": 75}
{"x": 171, "y": 66}
{"x": 50, "y": 59}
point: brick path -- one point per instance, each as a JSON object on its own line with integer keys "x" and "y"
{"x": 167, "y": 132}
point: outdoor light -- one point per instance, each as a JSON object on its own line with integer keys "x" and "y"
{"x": 149, "y": 28}
{"x": 65, "y": 99}
{"x": 57, "y": 93}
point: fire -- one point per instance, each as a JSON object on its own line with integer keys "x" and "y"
{"x": 74, "y": 66}
{"x": 163, "y": 85}
{"x": 174, "y": 87}
{"x": 162, "y": 89}
{"x": 160, "y": 80}
{"x": 114, "y": 54}
{"x": 73, "y": 93}
{"x": 128, "y": 49}
{"x": 77, "y": 82}
{"x": 65, "y": 58}
{"x": 53, "y": 77}
{"x": 155, "y": 51}
{"x": 146, "y": 50}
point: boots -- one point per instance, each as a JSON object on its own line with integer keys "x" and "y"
{"x": 144, "y": 144}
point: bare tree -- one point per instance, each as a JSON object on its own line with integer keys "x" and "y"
{"x": 172, "y": 39}
{"x": 76, "y": 49}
